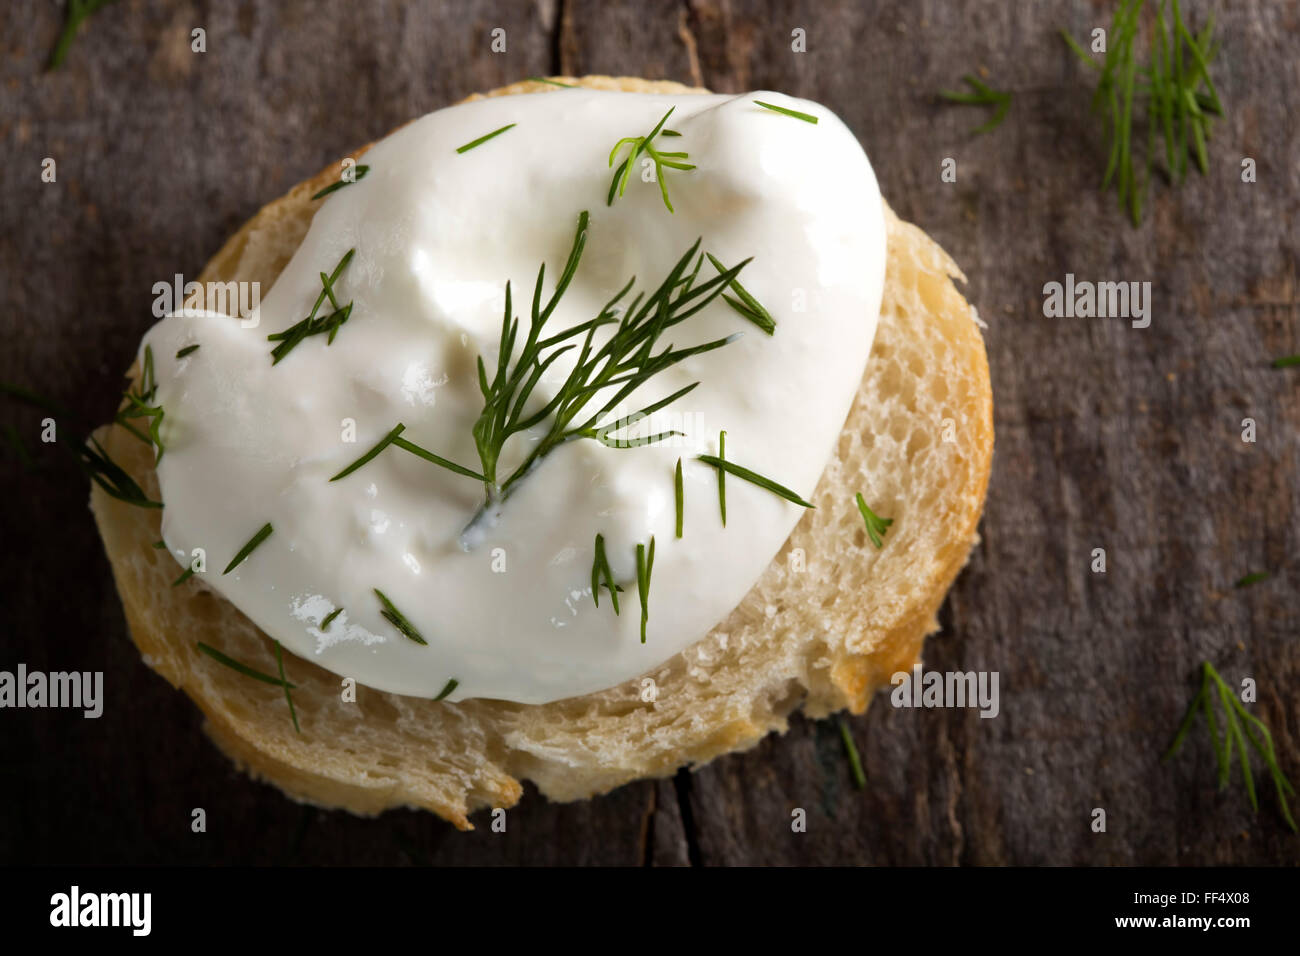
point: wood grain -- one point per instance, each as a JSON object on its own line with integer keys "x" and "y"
{"x": 1107, "y": 436}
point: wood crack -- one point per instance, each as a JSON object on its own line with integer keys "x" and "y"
{"x": 648, "y": 827}
{"x": 687, "y": 35}
{"x": 563, "y": 44}
{"x": 682, "y": 785}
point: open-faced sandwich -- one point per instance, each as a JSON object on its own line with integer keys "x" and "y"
{"x": 575, "y": 433}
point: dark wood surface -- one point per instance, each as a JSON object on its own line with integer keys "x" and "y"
{"x": 1107, "y": 436}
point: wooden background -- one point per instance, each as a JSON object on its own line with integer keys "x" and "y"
{"x": 1107, "y": 436}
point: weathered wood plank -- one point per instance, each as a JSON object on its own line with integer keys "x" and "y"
{"x": 1108, "y": 436}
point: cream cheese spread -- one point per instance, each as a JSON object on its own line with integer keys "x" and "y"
{"x": 508, "y": 611}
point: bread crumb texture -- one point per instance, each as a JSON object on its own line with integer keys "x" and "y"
{"x": 824, "y": 627}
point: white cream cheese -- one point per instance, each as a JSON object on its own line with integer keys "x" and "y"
{"x": 437, "y": 233}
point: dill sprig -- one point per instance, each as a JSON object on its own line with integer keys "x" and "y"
{"x": 876, "y": 525}
{"x": 74, "y": 14}
{"x": 645, "y": 144}
{"x": 263, "y": 533}
{"x": 1174, "y": 94}
{"x": 447, "y": 688}
{"x": 244, "y": 669}
{"x": 293, "y": 712}
{"x": 394, "y": 438}
{"x": 1247, "y": 580}
{"x": 138, "y": 409}
{"x": 382, "y": 444}
{"x": 599, "y": 569}
{"x": 247, "y": 671}
{"x": 1286, "y": 361}
{"x": 90, "y": 455}
{"x": 429, "y": 456}
{"x": 645, "y": 563}
{"x": 396, "y": 618}
{"x": 984, "y": 95}
{"x": 483, "y": 139}
{"x": 745, "y": 304}
{"x": 542, "y": 79}
{"x": 140, "y": 404}
{"x": 329, "y": 618}
{"x": 314, "y": 325}
{"x": 358, "y": 174}
{"x": 184, "y": 576}
{"x": 679, "y": 496}
{"x": 806, "y": 117}
{"x": 626, "y": 361}
{"x": 372, "y": 453}
{"x": 106, "y": 473}
{"x": 722, "y": 477}
{"x": 855, "y": 762}
{"x": 781, "y": 491}
{"x": 188, "y": 350}
{"x": 1240, "y": 727}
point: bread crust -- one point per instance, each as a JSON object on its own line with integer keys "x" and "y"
{"x": 823, "y": 632}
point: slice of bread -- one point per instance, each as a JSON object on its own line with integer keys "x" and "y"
{"x": 825, "y": 626}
